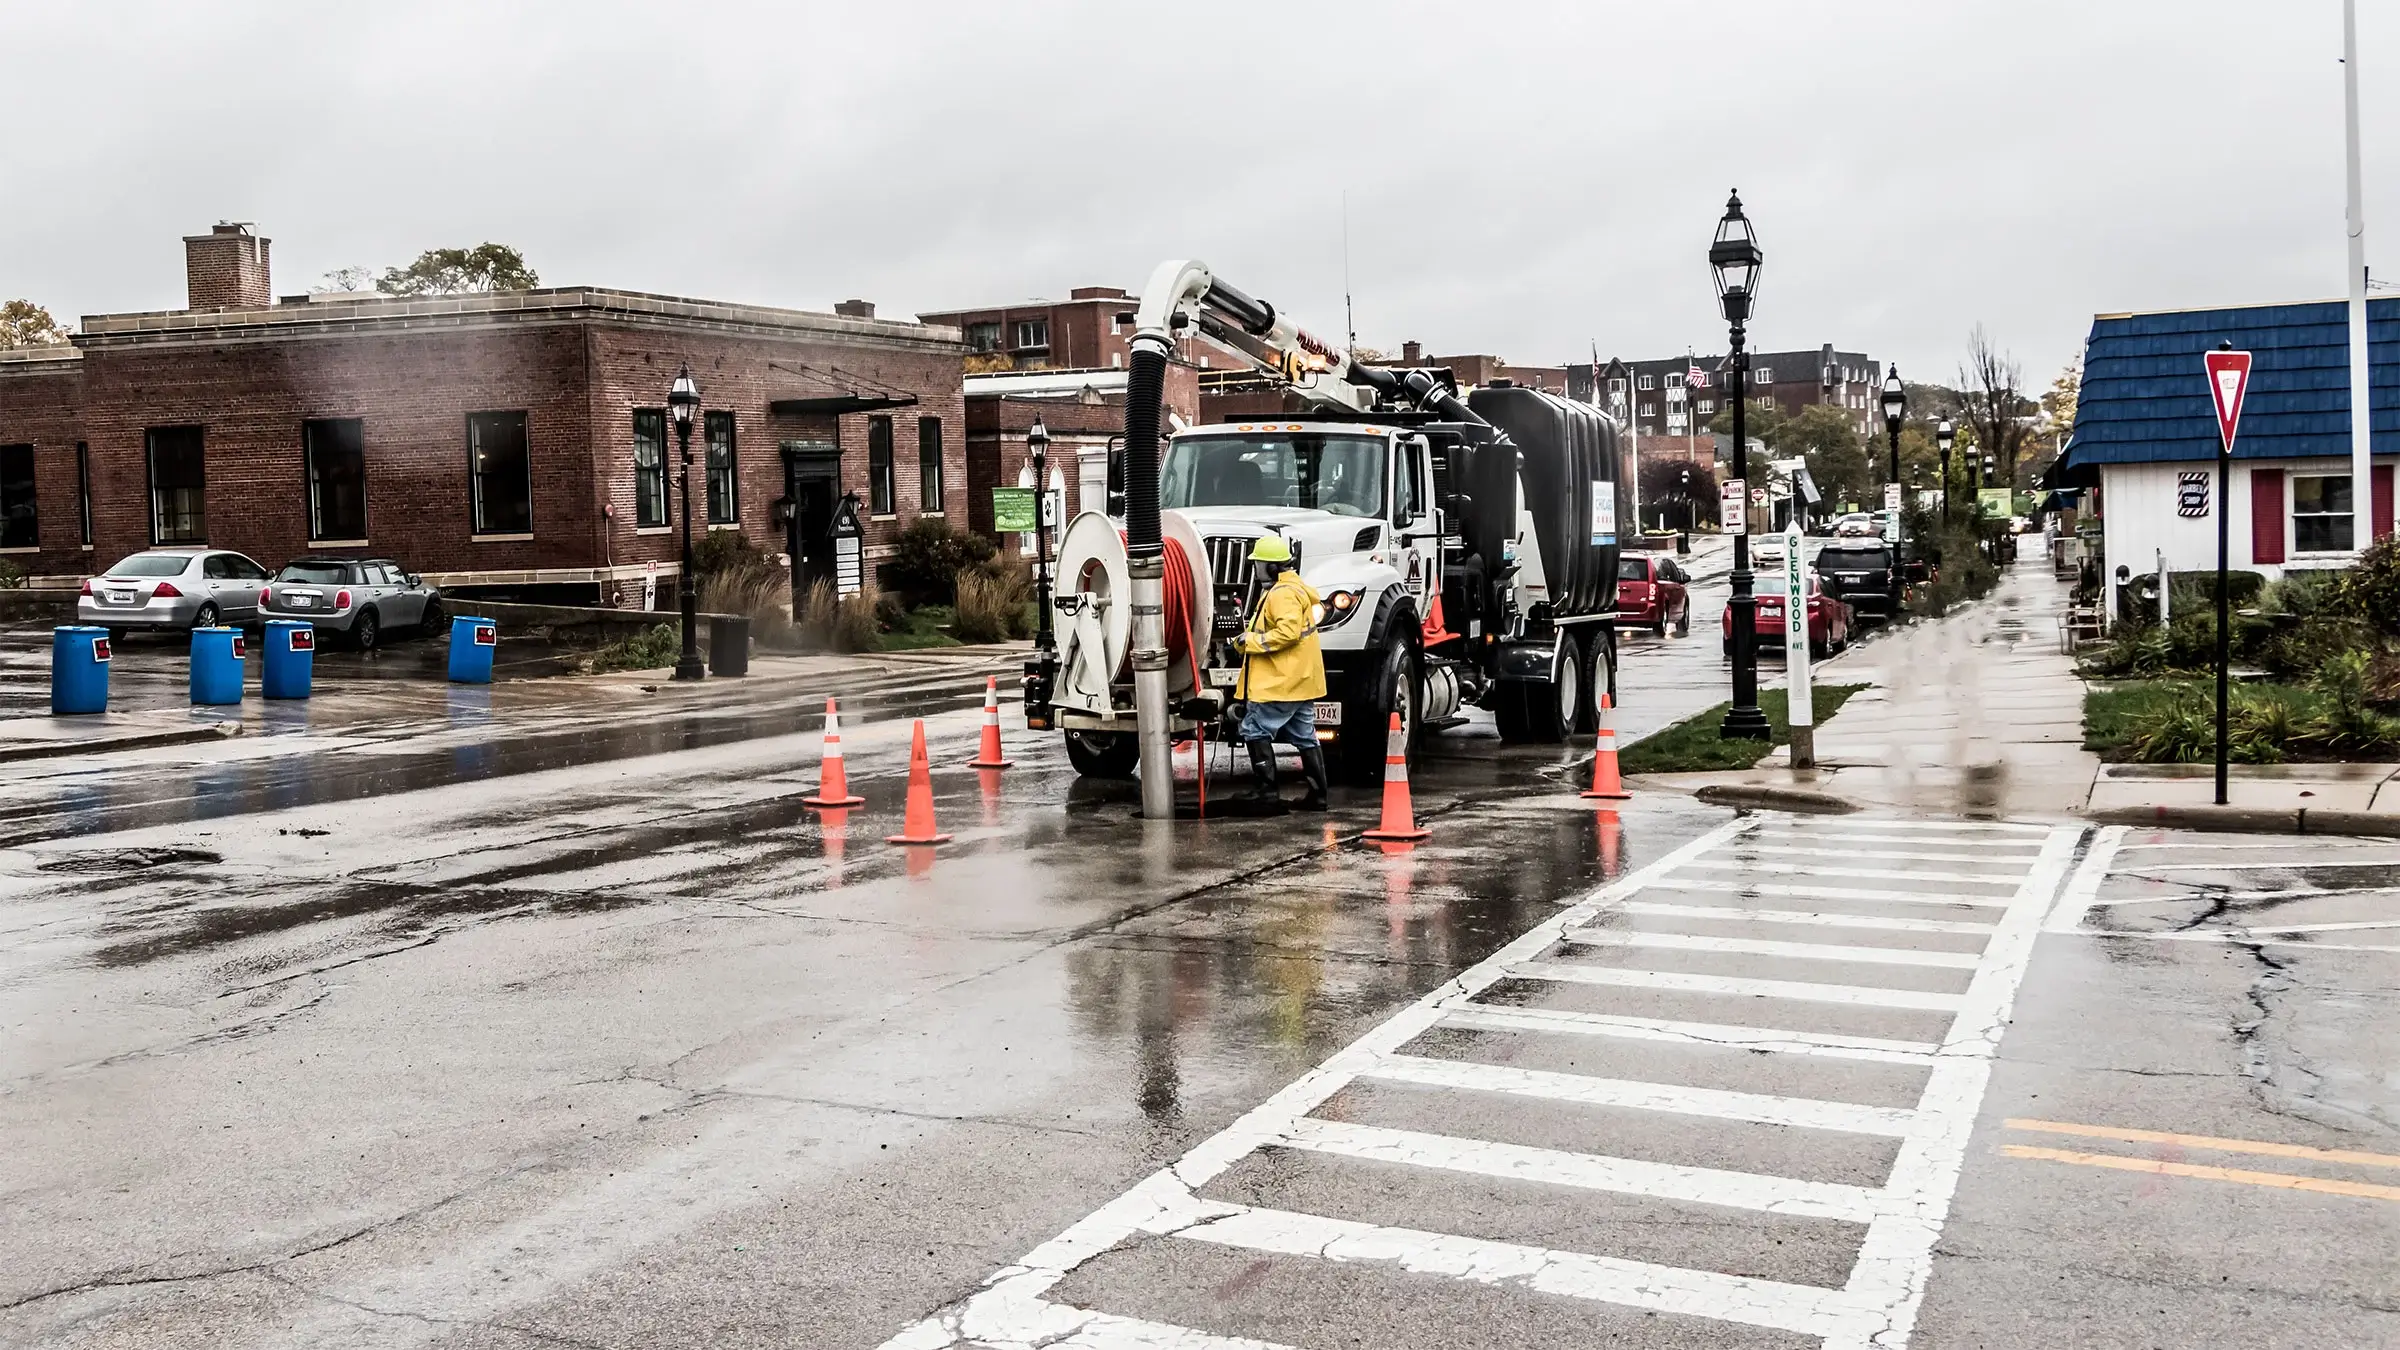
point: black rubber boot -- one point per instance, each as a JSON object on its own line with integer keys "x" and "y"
{"x": 1312, "y": 768}
{"x": 1262, "y": 772}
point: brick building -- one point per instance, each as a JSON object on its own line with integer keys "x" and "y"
{"x": 511, "y": 441}
{"x": 1084, "y": 413}
{"x": 1091, "y": 329}
{"x": 1677, "y": 416}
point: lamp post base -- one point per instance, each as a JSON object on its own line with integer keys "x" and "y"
{"x": 691, "y": 668}
{"x": 1745, "y": 724}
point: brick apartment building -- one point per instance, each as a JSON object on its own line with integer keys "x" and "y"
{"x": 1084, "y": 413}
{"x": 1091, "y": 329}
{"x": 1665, "y": 409}
{"x": 511, "y": 441}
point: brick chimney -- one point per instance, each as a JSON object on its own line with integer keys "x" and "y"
{"x": 226, "y": 268}
{"x": 1411, "y": 353}
{"x": 854, "y": 309}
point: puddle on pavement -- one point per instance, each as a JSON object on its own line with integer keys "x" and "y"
{"x": 110, "y": 861}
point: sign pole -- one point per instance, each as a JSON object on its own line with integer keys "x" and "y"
{"x": 2228, "y": 381}
{"x": 1802, "y": 711}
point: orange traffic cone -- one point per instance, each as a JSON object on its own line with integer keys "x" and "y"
{"x": 1605, "y": 782}
{"x": 990, "y": 758}
{"x": 917, "y": 827}
{"x": 833, "y": 788}
{"x": 1399, "y": 816}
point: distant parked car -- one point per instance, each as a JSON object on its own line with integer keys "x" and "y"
{"x": 359, "y": 598}
{"x": 1859, "y": 573}
{"x": 1855, "y": 525}
{"x": 173, "y": 588}
{"x": 1829, "y": 621}
{"x": 1651, "y": 593}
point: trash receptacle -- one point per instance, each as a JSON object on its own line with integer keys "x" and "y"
{"x": 1683, "y": 542}
{"x": 78, "y": 670}
{"x": 472, "y": 643}
{"x": 729, "y": 644}
{"x": 291, "y": 658}
{"x": 217, "y": 665}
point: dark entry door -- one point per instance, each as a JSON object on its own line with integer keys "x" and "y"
{"x": 812, "y": 479}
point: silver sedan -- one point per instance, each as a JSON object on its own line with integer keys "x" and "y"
{"x": 174, "y": 588}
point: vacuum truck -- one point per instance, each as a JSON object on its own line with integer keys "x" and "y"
{"x": 1464, "y": 542}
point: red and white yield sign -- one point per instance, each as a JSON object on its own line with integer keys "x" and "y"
{"x": 2228, "y": 381}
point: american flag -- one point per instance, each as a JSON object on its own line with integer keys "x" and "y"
{"x": 1696, "y": 377}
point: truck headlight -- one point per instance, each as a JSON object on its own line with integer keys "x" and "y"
{"x": 1338, "y": 606}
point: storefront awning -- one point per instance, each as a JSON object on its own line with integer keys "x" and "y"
{"x": 822, "y": 404}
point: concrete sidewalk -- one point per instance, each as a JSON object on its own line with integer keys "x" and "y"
{"x": 103, "y": 733}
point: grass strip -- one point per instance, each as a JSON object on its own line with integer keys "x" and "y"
{"x": 1693, "y": 745}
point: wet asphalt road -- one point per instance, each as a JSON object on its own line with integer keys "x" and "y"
{"x": 605, "y": 1047}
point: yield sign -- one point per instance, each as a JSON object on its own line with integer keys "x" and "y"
{"x": 2228, "y": 380}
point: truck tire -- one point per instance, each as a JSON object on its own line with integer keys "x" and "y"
{"x": 1104, "y": 754}
{"x": 1543, "y": 712}
{"x": 1393, "y": 684}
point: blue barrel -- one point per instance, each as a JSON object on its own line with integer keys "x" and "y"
{"x": 291, "y": 658}
{"x": 78, "y": 670}
{"x": 472, "y": 642}
{"x": 217, "y": 665}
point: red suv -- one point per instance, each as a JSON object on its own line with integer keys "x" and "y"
{"x": 1650, "y": 593}
{"x": 1829, "y": 620}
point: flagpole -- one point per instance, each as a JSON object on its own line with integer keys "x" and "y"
{"x": 2362, "y": 440}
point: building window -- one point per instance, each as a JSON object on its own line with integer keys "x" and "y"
{"x": 1033, "y": 334}
{"x": 1766, "y": 400}
{"x": 2321, "y": 513}
{"x": 879, "y": 466}
{"x": 724, "y": 503}
{"x": 649, "y": 468}
{"x": 1706, "y": 405}
{"x": 178, "y": 486}
{"x": 20, "y": 526}
{"x": 83, "y": 489}
{"x": 499, "y": 473}
{"x": 929, "y": 463}
{"x": 335, "y": 450}
{"x": 1675, "y": 381}
{"x": 1649, "y": 410}
{"x": 1765, "y": 375}
{"x": 983, "y": 337}
{"x": 1646, "y": 383}
{"x": 1616, "y": 386}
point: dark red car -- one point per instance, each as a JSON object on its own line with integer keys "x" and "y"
{"x": 1651, "y": 594}
{"x": 1829, "y": 620}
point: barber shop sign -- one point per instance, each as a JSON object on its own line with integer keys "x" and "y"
{"x": 2191, "y": 494}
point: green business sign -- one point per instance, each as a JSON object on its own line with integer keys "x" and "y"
{"x": 1012, "y": 510}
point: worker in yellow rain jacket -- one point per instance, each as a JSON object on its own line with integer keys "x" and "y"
{"x": 1283, "y": 674}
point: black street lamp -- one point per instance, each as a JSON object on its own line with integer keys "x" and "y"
{"x": 1037, "y": 440}
{"x": 1895, "y": 407}
{"x": 683, "y": 400}
{"x": 1734, "y": 258}
{"x": 1944, "y": 435}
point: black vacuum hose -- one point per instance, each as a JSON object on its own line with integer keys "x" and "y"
{"x": 1145, "y": 386}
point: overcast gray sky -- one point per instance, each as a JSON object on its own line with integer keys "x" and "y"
{"x": 1525, "y": 179}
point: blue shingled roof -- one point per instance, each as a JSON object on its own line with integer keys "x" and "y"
{"x": 2145, "y": 397}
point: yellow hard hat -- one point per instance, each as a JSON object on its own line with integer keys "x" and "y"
{"x": 1270, "y": 548}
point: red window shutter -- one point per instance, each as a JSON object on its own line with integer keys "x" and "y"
{"x": 2266, "y": 515}
{"x": 2381, "y": 475}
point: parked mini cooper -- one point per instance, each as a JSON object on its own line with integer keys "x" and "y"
{"x": 359, "y": 598}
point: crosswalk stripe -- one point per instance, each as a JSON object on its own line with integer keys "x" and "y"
{"x": 1865, "y": 996}
{"x": 1876, "y": 873}
{"x": 1668, "y": 1289}
{"x": 1783, "y": 850}
{"x": 1765, "y": 1040}
{"x": 2027, "y": 850}
{"x": 1831, "y": 826}
{"x": 1807, "y": 951}
{"x": 1784, "y": 891}
{"x": 1813, "y": 918}
{"x": 1588, "y": 1171}
{"x": 1757, "y": 1109}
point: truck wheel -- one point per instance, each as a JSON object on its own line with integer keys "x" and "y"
{"x": 1390, "y": 685}
{"x": 1104, "y": 754}
{"x": 1542, "y": 712}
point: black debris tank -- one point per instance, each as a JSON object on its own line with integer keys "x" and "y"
{"x": 1567, "y": 461}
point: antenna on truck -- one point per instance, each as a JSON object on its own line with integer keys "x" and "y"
{"x": 1349, "y": 315}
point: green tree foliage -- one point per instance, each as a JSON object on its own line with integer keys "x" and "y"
{"x": 454, "y": 271}
{"x": 1669, "y": 484}
{"x": 1837, "y": 459}
{"x": 26, "y": 324}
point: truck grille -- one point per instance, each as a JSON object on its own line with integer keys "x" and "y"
{"x": 1229, "y": 557}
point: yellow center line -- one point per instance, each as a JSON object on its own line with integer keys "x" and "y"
{"x": 2283, "y": 1180}
{"x": 2213, "y": 1145}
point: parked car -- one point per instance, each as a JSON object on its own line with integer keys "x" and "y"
{"x": 1652, "y": 592}
{"x": 359, "y": 598}
{"x": 1829, "y": 621}
{"x": 1857, "y": 524}
{"x": 173, "y": 588}
{"x": 1859, "y": 573}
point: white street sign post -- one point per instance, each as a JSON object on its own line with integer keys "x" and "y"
{"x": 1803, "y": 712}
{"x": 649, "y": 585}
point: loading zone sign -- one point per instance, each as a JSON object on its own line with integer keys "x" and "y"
{"x": 2191, "y": 494}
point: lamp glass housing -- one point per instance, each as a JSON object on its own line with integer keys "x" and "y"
{"x": 1944, "y": 434}
{"x": 683, "y": 398}
{"x": 1735, "y": 259}
{"x": 1895, "y": 398}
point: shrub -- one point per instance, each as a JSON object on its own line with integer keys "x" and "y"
{"x": 929, "y": 555}
{"x": 2300, "y": 594}
{"x": 991, "y": 603}
{"x": 855, "y": 626}
{"x": 765, "y": 599}
{"x": 2369, "y": 589}
{"x": 12, "y": 577}
{"x": 819, "y": 613}
{"x": 653, "y": 648}
{"x": 2198, "y": 590}
{"x": 729, "y": 553}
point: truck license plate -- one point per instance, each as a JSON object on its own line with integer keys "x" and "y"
{"x": 1329, "y": 713}
{"x": 1224, "y": 677}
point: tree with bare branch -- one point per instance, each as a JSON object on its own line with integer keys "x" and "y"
{"x": 1991, "y": 390}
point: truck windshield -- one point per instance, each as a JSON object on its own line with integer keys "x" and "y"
{"x": 1340, "y": 474}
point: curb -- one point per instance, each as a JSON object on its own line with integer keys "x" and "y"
{"x": 1775, "y": 799}
{"x": 148, "y": 740}
{"x": 2254, "y": 820}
